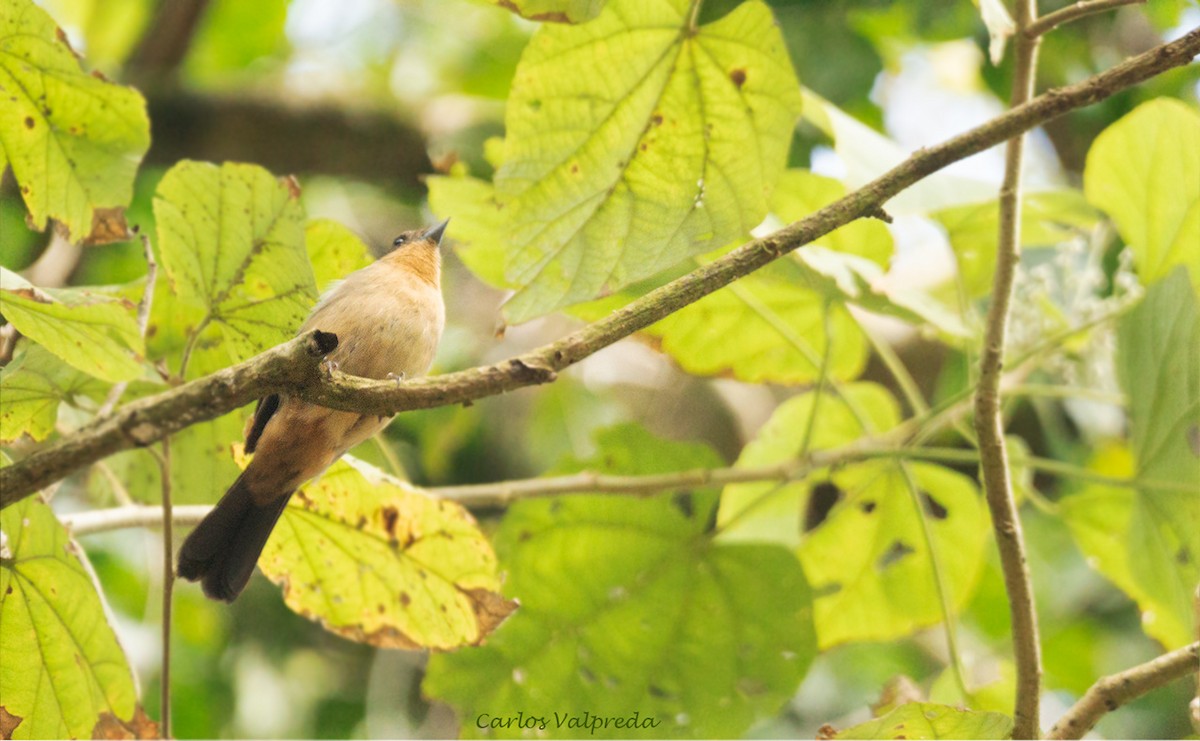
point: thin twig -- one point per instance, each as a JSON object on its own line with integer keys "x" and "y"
{"x": 989, "y": 416}
{"x": 1081, "y": 9}
{"x": 1115, "y": 690}
{"x": 148, "y": 420}
{"x": 143, "y": 321}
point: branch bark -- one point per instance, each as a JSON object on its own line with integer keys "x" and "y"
{"x": 1081, "y": 9}
{"x": 1110, "y": 692}
{"x": 292, "y": 369}
{"x": 989, "y": 415}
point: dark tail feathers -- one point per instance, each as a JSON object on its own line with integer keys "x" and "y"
{"x": 223, "y": 549}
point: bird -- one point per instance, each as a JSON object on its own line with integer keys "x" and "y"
{"x": 388, "y": 318}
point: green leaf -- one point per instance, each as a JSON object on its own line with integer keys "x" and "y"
{"x": 553, "y": 11}
{"x": 856, "y": 527}
{"x": 629, "y": 607}
{"x": 1146, "y": 541}
{"x": 922, "y": 720}
{"x": 1047, "y": 219}
{"x": 1144, "y": 171}
{"x": 233, "y": 36}
{"x": 374, "y": 561}
{"x": 477, "y": 226}
{"x": 32, "y": 386}
{"x": 232, "y": 242}
{"x": 74, "y": 140}
{"x": 95, "y": 333}
{"x": 635, "y": 141}
{"x": 62, "y": 664}
{"x": 334, "y": 251}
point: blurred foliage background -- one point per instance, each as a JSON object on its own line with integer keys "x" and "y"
{"x": 361, "y": 99}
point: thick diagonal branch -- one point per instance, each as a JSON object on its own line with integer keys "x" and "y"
{"x": 166, "y": 413}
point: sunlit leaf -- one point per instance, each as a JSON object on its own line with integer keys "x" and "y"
{"x": 74, "y": 140}
{"x": 374, "y": 561}
{"x": 334, "y": 251}
{"x": 553, "y": 11}
{"x": 32, "y": 385}
{"x": 477, "y": 226}
{"x": 624, "y": 157}
{"x": 1144, "y": 171}
{"x": 1047, "y": 220}
{"x": 232, "y": 242}
{"x": 628, "y": 606}
{"x": 93, "y": 332}
{"x": 1146, "y": 540}
{"x": 1000, "y": 27}
{"x": 921, "y": 720}
{"x": 62, "y": 664}
{"x": 856, "y": 527}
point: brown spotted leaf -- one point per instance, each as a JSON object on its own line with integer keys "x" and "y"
{"x": 376, "y": 561}
{"x": 8, "y": 723}
{"x": 140, "y": 726}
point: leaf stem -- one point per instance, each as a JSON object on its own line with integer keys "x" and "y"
{"x": 1081, "y": 9}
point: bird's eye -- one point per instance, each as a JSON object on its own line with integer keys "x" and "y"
{"x": 400, "y": 240}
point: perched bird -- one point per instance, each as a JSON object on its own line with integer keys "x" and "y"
{"x": 388, "y": 318}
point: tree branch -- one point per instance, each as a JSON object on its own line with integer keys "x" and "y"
{"x": 166, "y": 41}
{"x": 989, "y": 415}
{"x": 293, "y": 369}
{"x": 1081, "y": 9}
{"x": 1115, "y": 690}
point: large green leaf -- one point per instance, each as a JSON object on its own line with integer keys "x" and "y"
{"x": 62, "y": 666}
{"x": 1148, "y": 541}
{"x": 553, "y": 11}
{"x": 629, "y": 607}
{"x": 334, "y": 251}
{"x": 857, "y": 527}
{"x": 232, "y": 242}
{"x": 1144, "y": 171}
{"x": 95, "y": 333}
{"x": 637, "y": 140}
{"x": 32, "y": 385}
{"x": 375, "y": 561}
{"x": 922, "y": 720}
{"x": 74, "y": 140}
{"x": 477, "y": 226}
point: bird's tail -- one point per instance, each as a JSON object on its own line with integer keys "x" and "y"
{"x": 221, "y": 552}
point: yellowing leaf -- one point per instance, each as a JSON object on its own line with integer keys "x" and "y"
{"x": 922, "y": 720}
{"x": 334, "y": 251}
{"x": 1144, "y": 171}
{"x": 95, "y": 333}
{"x": 232, "y": 242}
{"x": 477, "y": 226}
{"x": 376, "y": 562}
{"x": 857, "y": 528}
{"x": 629, "y": 606}
{"x": 62, "y": 665}
{"x": 553, "y": 11}
{"x": 634, "y": 141}
{"x": 32, "y": 385}
{"x": 74, "y": 140}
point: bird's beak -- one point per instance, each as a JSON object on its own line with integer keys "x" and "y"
{"x": 435, "y": 233}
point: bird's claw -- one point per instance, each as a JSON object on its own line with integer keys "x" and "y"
{"x": 329, "y": 366}
{"x": 398, "y": 378}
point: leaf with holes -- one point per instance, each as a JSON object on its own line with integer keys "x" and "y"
{"x": 231, "y": 240}
{"x": 95, "y": 333}
{"x": 74, "y": 140}
{"x": 334, "y": 251}
{"x": 62, "y": 664}
{"x": 1145, "y": 539}
{"x": 635, "y": 141}
{"x": 553, "y": 11}
{"x": 32, "y": 385}
{"x": 926, "y": 720}
{"x": 629, "y": 607}
{"x": 1144, "y": 171}
{"x": 374, "y": 561}
{"x": 859, "y": 528}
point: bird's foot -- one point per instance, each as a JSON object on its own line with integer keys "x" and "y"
{"x": 398, "y": 378}
{"x": 329, "y": 366}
